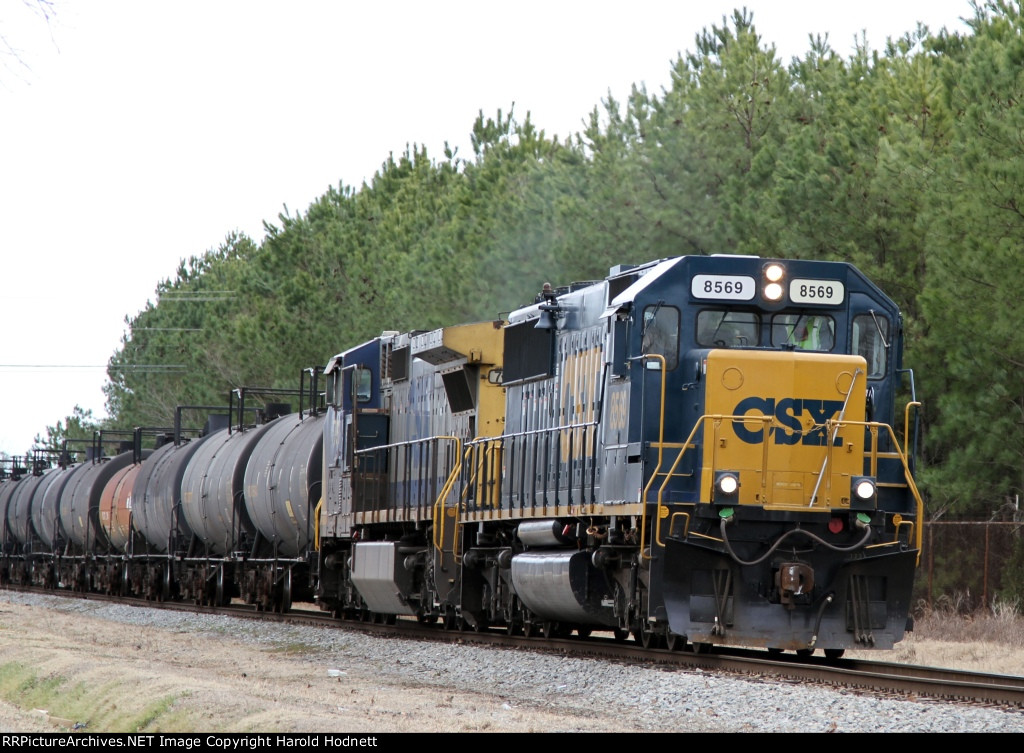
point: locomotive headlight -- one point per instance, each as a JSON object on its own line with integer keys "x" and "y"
{"x": 773, "y": 274}
{"x": 727, "y": 484}
{"x": 864, "y": 492}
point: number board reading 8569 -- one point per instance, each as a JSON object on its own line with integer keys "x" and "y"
{"x": 723, "y": 287}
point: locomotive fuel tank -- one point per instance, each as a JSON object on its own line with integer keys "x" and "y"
{"x": 557, "y": 581}
{"x": 379, "y": 574}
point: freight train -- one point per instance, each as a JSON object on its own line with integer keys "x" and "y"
{"x": 696, "y": 451}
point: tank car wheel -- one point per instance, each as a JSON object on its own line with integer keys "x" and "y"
{"x": 834, "y": 653}
{"x": 620, "y": 635}
{"x": 584, "y": 632}
{"x": 480, "y": 625}
{"x": 647, "y": 637}
{"x": 530, "y": 629}
{"x": 549, "y": 629}
{"x": 283, "y": 597}
{"x": 674, "y": 641}
{"x": 702, "y": 648}
{"x": 805, "y": 652}
{"x": 774, "y": 651}
{"x": 165, "y": 586}
{"x": 286, "y": 594}
{"x": 220, "y": 597}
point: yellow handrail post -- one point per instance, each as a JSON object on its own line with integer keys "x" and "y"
{"x": 661, "y": 443}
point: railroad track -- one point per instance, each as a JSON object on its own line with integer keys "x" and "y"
{"x": 907, "y": 681}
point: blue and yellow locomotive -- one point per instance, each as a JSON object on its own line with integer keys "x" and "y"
{"x": 698, "y": 449}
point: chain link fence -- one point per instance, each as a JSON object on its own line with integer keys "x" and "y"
{"x": 970, "y": 565}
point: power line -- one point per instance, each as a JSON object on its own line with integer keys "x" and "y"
{"x": 125, "y": 367}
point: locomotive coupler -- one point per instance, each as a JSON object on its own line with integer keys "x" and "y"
{"x": 794, "y": 581}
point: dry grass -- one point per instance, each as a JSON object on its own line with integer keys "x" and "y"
{"x": 946, "y": 634}
{"x": 946, "y": 620}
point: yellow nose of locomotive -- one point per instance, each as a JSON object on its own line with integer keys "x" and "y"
{"x": 784, "y": 427}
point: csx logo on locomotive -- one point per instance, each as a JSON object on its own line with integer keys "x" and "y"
{"x": 788, "y": 412}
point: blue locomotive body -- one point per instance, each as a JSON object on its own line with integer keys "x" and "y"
{"x": 702, "y": 450}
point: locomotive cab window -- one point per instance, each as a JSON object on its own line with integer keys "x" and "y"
{"x": 870, "y": 339}
{"x": 727, "y": 329}
{"x": 804, "y": 331}
{"x": 363, "y": 384}
{"x": 334, "y": 388}
{"x": 359, "y": 383}
{"x": 661, "y": 334}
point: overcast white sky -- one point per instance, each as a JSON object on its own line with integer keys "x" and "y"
{"x": 140, "y": 133}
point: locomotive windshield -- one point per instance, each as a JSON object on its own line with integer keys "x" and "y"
{"x": 804, "y": 331}
{"x": 661, "y": 333}
{"x": 870, "y": 339}
{"x": 727, "y": 329}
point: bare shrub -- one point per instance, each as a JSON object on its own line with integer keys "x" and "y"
{"x": 950, "y": 619}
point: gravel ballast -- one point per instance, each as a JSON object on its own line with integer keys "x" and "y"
{"x": 226, "y": 674}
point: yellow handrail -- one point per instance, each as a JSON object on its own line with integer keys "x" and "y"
{"x": 873, "y": 427}
{"x": 316, "y": 524}
{"x": 445, "y": 490}
{"x": 661, "y": 441}
{"x": 717, "y": 418}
